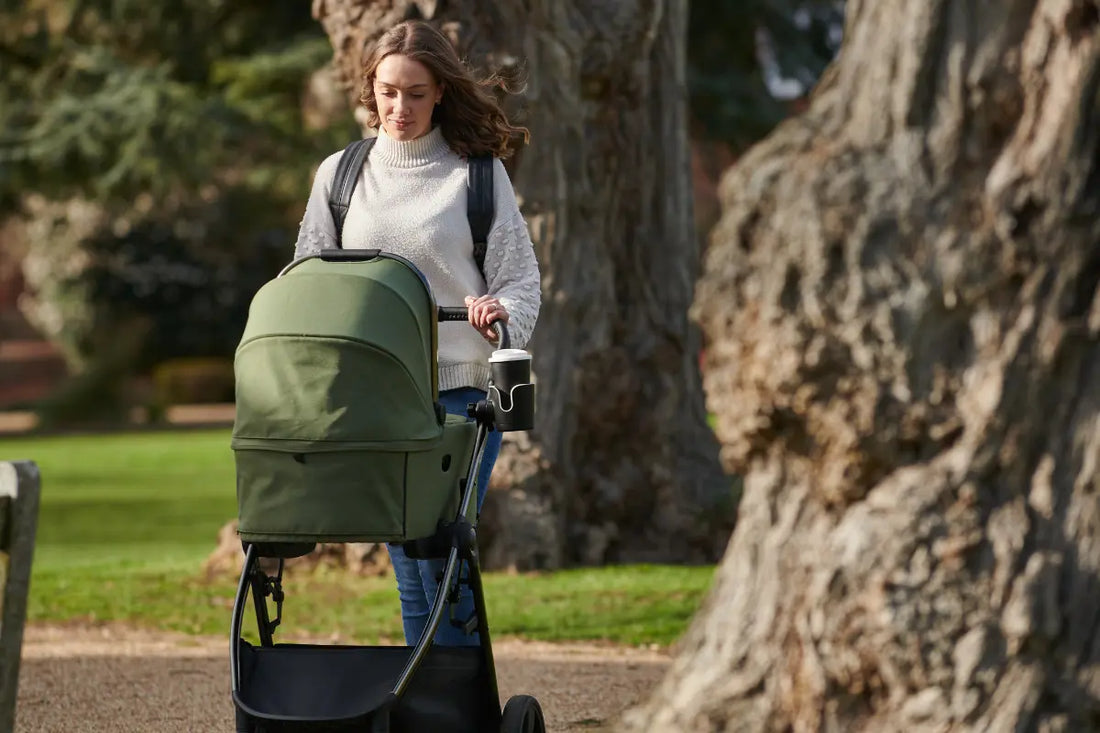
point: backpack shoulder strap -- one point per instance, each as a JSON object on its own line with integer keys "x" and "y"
{"x": 343, "y": 182}
{"x": 480, "y": 201}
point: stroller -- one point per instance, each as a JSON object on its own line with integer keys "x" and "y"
{"x": 339, "y": 438}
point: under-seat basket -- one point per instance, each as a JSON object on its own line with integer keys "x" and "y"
{"x": 290, "y": 686}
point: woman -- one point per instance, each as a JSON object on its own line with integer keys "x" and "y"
{"x": 431, "y": 115}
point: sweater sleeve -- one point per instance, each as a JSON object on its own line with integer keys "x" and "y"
{"x": 511, "y": 270}
{"x": 317, "y": 230}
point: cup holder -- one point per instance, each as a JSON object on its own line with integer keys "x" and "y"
{"x": 514, "y": 409}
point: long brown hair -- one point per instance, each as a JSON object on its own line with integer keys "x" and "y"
{"x": 472, "y": 120}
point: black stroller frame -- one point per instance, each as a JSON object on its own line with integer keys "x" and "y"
{"x": 380, "y": 689}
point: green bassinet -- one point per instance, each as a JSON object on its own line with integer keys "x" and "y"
{"x": 338, "y": 435}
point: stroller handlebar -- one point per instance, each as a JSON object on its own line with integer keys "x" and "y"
{"x": 461, "y": 314}
{"x": 349, "y": 255}
{"x": 453, "y": 314}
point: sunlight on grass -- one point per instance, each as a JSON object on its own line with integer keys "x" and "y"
{"x": 152, "y": 500}
{"x": 635, "y": 605}
{"x": 127, "y": 519}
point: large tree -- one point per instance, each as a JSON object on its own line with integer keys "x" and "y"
{"x": 622, "y": 464}
{"x": 904, "y": 319}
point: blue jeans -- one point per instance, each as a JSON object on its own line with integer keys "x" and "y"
{"x": 416, "y": 579}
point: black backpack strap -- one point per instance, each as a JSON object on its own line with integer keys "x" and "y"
{"x": 344, "y": 180}
{"x": 479, "y": 204}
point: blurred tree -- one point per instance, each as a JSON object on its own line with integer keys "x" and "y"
{"x": 903, "y": 305}
{"x": 748, "y": 60}
{"x": 750, "y": 65}
{"x": 622, "y": 465}
{"x": 111, "y": 99}
{"x": 176, "y": 130}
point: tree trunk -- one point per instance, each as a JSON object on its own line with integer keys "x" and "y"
{"x": 902, "y": 308}
{"x": 621, "y": 465}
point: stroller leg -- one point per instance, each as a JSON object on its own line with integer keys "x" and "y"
{"x": 242, "y": 722}
{"x": 493, "y": 696}
{"x": 238, "y": 617}
{"x": 434, "y": 617}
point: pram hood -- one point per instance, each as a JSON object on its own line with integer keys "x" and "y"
{"x": 339, "y": 356}
{"x": 337, "y": 436}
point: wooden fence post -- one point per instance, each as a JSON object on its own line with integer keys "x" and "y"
{"x": 20, "y": 486}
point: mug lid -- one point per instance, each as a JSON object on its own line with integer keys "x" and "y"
{"x": 509, "y": 355}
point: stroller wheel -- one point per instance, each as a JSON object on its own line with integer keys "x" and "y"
{"x": 522, "y": 714}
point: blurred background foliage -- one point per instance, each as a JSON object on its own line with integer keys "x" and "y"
{"x": 749, "y": 62}
{"x": 111, "y": 99}
{"x": 155, "y": 157}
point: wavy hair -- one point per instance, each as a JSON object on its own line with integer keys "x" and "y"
{"x": 471, "y": 118}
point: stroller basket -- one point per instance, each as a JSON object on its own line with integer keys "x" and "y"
{"x": 346, "y": 687}
{"x": 338, "y": 437}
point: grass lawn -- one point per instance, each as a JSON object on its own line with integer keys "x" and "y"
{"x": 127, "y": 519}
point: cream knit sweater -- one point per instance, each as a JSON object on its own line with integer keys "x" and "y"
{"x": 411, "y": 201}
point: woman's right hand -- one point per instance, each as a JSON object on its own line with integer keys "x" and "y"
{"x": 483, "y": 312}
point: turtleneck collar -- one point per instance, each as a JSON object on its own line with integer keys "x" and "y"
{"x": 410, "y": 153}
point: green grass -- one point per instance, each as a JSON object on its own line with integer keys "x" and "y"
{"x": 127, "y": 519}
{"x": 132, "y": 501}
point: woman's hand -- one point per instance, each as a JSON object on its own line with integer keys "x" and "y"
{"x": 483, "y": 311}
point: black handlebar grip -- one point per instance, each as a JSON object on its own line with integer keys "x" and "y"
{"x": 462, "y": 314}
{"x": 453, "y": 314}
{"x": 349, "y": 255}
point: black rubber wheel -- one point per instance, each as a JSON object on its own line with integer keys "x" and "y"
{"x": 522, "y": 714}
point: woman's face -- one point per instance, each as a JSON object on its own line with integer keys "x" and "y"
{"x": 406, "y": 94}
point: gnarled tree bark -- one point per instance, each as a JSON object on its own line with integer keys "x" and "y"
{"x": 903, "y": 314}
{"x": 622, "y": 465}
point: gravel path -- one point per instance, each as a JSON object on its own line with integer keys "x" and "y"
{"x": 118, "y": 680}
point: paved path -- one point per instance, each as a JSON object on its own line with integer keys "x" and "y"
{"x": 115, "y": 680}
